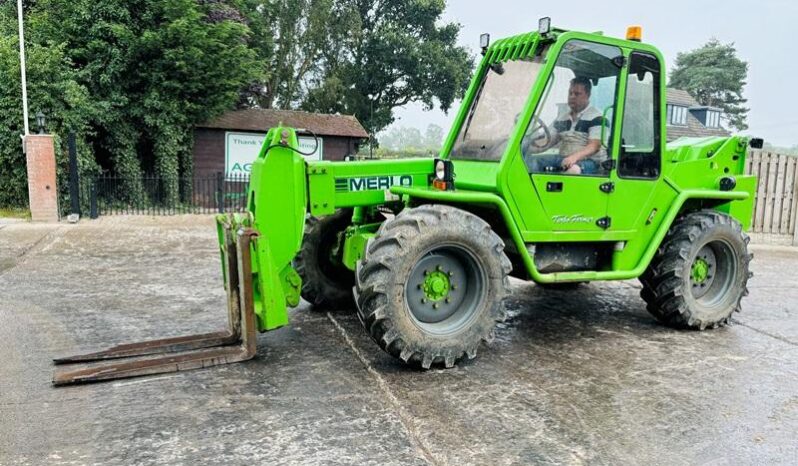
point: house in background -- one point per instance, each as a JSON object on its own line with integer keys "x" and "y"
{"x": 687, "y": 118}
{"x": 230, "y": 143}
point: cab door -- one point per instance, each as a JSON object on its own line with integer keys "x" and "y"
{"x": 639, "y": 159}
{"x": 575, "y": 202}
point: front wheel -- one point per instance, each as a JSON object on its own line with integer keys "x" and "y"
{"x": 431, "y": 286}
{"x": 326, "y": 282}
{"x": 700, "y": 272}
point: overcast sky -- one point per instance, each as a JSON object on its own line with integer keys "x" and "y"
{"x": 765, "y": 33}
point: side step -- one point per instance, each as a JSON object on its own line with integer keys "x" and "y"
{"x": 237, "y": 344}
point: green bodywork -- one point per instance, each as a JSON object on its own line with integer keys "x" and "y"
{"x": 284, "y": 188}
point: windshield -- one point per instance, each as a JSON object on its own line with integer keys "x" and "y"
{"x": 496, "y": 109}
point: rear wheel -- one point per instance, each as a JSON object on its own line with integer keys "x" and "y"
{"x": 700, "y": 272}
{"x": 431, "y": 285}
{"x": 325, "y": 281}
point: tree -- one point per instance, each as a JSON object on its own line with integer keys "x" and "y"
{"x": 361, "y": 57}
{"x": 54, "y": 90}
{"x": 715, "y": 76}
{"x": 409, "y": 139}
{"x": 134, "y": 77}
{"x": 433, "y": 137}
{"x": 381, "y": 55}
{"x": 152, "y": 69}
{"x": 402, "y": 138}
{"x": 289, "y": 37}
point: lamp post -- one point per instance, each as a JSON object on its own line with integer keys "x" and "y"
{"x": 40, "y": 121}
{"x": 22, "y": 68}
{"x": 371, "y": 126}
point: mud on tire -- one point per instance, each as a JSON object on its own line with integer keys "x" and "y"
{"x": 431, "y": 286}
{"x": 324, "y": 282}
{"x": 700, "y": 272}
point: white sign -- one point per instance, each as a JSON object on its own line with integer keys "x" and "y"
{"x": 307, "y": 145}
{"x": 241, "y": 149}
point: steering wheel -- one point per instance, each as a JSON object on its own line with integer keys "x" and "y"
{"x": 540, "y": 143}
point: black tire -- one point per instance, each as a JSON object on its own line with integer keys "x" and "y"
{"x": 451, "y": 246}
{"x": 700, "y": 272}
{"x": 325, "y": 283}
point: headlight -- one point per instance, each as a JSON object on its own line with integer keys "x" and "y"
{"x": 443, "y": 176}
{"x": 440, "y": 170}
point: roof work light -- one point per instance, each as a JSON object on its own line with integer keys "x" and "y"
{"x": 544, "y": 25}
{"x": 484, "y": 42}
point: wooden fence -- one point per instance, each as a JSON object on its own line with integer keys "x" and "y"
{"x": 776, "y": 201}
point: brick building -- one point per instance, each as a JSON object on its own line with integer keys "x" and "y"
{"x": 229, "y": 143}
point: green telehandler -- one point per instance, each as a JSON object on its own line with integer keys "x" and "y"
{"x": 556, "y": 170}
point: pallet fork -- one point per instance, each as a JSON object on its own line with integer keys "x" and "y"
{"x": 237, "y": 343}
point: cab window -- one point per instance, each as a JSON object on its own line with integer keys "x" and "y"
{"x": 640, "y": 136}
{"x": 568, "y": 133}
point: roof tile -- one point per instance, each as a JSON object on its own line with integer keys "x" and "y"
{"x": 258, "y": 119}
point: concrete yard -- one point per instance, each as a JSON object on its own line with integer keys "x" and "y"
{"x": 574, "y": 377}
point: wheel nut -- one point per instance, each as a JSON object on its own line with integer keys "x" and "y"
{"x": 426, "y": 272}
{"x": 454, "y": 287}
{"x": 451, "y": 274}
{"x": 438, "y": 268}
{"x": 435, "y": 306}
{"x": 423, "y": 301}
{"x": 448, "y": 300}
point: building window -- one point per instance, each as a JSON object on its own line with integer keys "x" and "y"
{"x": 713, "y": 120}
{"x": 677, "y": 115}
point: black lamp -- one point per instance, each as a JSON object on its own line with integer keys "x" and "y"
{"x": 40, "y": 121}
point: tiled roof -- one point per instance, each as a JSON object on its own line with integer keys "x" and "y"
{"x": 680, "y": 97}
{"x": 257, "y": 119}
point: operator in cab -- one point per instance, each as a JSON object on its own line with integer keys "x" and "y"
{"x": 577, "y": 130}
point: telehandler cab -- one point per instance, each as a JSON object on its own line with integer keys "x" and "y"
{"x": 424, "y": 247}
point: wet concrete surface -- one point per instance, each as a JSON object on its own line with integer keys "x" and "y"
{"x": 574, "y": 377}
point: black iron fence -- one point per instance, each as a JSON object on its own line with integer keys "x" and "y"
{"x": 109, "y": 194}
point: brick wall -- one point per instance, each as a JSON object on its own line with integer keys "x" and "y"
{"x": 208, "y": 152}
{"x": 42, "y": 189}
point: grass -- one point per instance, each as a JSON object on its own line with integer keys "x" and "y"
{"x": 14, "y": 212}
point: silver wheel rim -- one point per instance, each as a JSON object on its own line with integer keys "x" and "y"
{"x": 454, "y": 311}
{"x": 722, "y": 268}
